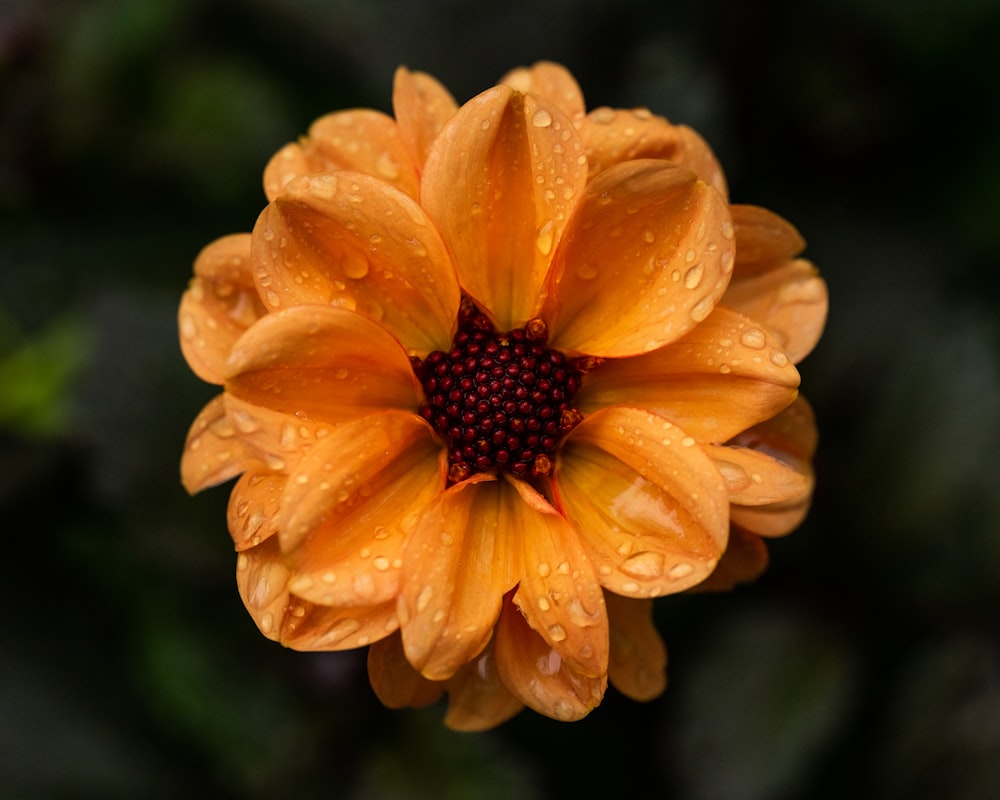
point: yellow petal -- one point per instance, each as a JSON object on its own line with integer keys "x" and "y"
{"x": 422, "y": 106}
{"x": 551, "y": 81}
{"x": 457, "y": 565}
{"x": 646, "y": 257}
{"x": 212, "y": 453}
{"x": 500, "y": 182}
{"x": 616, "y": 135}
{"x": 396, "y": 683}
{"x": 349, "y": 505}
{"x": 253, "y": 507}
{"x": 477, "y": 698}
{"x": 262, "y": 578}
{"x": 791, "y": 300}
{"x": 648, "y": 502}
{"x": 764, "y": 240}
{"x": 536, "y": 674}
{"x": 744, "y": 561}
{"x": 219, "y": 305}
{"x": 359, "y": 140}
{"x": 559, "y": 594}
{"x": 720, "y": 379}
{"x": 349, "y": 240}
{"x": 638, "y": 664}
{"x": 319, "y": 363}
{"x": 756, "y": 479}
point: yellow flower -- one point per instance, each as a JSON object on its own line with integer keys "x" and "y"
{"x": 493, "y": 377}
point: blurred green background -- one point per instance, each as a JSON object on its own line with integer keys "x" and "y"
{"x": 866, "y": 662}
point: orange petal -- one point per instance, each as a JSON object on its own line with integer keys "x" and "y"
{"x": 763, "y": 240}
{"x": 756, "y": 479}
{"x": 457, "y": 565}
{"x": 791, "y": 300}
{"x": 253, "y": 507}
{"x": 638, "y": 664}
{"x": 396, "y": 683}
{"x": 789, "y": 437}
{"x": 500, "y": 183}
{"x": 212, "y": 453}
{"x": 646, "y": 257}
{"x": 360, "y": 140}
{"x": 720, "y": 379}
{"x": 536, "y": 674}
{"x": 744, "y": 561}
{"x": 349, "y": 505}
{"x": 422, "y": 106}
{"x": 219, "y": 305}
{"x": 552, "y": 82}
{"x": 648, "y": 502}
{"x": 559, "y": 594}
{"x": 350, "y": 240}
{"x": 319, "y": 363}
{"x": 616, "y": 135}
{"x": 262, "y": 578}
{"x": 477, "y": 698}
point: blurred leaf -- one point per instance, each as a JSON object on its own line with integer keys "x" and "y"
{"x": 36, "y": 374}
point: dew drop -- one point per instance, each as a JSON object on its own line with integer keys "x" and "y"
{"x": 699, "y": 311}
{"x": 272, "y": 298}
{"x": 753, "y": 338}
{"x": 778, "y": 358}
{"x": 557, "y": 633}
{"x": 545, "y": 238}
{"x": 693, "y": 276}
{"x": 356, "y": 268}
{"x": 586, "y": 272}
{"x": 424, "y": 598}
{"x": 646, "y": 564}
{"x": 681, "y": 570}
{"x": 541, "y": 119}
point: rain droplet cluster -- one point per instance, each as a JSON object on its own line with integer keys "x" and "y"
{"x": 499, "y": 400}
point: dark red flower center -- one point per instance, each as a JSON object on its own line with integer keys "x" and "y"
{"x": 499, "y": 400}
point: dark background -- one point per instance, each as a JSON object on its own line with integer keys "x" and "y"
{"x": 866, "y": 662}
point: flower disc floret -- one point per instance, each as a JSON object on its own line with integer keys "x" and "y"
{"x": 501, "y": 401}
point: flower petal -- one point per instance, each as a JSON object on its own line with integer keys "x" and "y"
{"x": 744, "y": 561}
{"x": 638, "y": 664}
{"x": 791, "y": 300}
{"x": 764, "y": 240}
{"x": 551, "y": 81}
{"x": 559, "y": 594}
{"x": 253, "y": 507}
{"x": 422, "y": 106}
{"x": 536, "y": 674}
{"x": 349, "y": 505}
{"x": 350, "y": 240}
{"x": 649, "y": 504}
{"x": 212, "y": 452}
{"x": 318, "y": 363}
{"x": 219, "y": 305}
{"x": 500, "y": 182}
{"x": 720, "y": 379}
{"x": 790, "y": 437}
{"x": 616, "y": 135}
{"x": 756, "y": 479}
{"x": 477, "y": 698}
{"x": 262, "y": 577}
{"x": 359, "y": 140}
{"x": 395, "y": 682}
{"x": 646, "y": 257}
{"x": 458, "y": 563}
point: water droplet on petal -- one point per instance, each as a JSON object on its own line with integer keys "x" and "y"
{"x": 541, "y": 119}
{"x": 753, "y": 338}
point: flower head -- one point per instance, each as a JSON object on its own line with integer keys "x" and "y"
{"x": 493, "y": 377}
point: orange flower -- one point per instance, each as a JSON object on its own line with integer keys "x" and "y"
{"x": 488, "y": 393}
